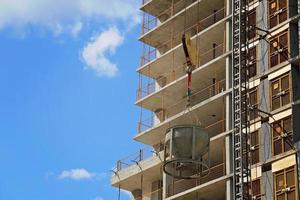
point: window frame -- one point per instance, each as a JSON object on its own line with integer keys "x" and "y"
{"x": 293, "y": 187}
{"x": 279, "y": 138}
{"x": 257, "y": 196}
{"x": 277, "y": 13}
{"x": 252, "y": 62}
{"x": 255, "y": 147}
{"x": 280, "y": 93}
{"x": 279, "y": 51}
{"x": 250, "y": 31}
{"x": 252, "y": 112}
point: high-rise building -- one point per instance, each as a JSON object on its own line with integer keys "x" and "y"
{"x": 245, "y": 91}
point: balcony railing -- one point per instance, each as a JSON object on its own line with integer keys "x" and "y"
{"x": 153, "y": 85}
{"x": 195, "y": 98}
{"x": 133, "y": 159}
{"x": 155, "y": 195}
{"x": 175, "y": 39}
{"x": 178, "y": 186}
{"x": 150, "y": 22}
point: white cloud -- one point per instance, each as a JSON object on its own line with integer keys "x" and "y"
{"x": 95, "y": 53}
{"x": 76, "y": 174}
{"x": 59, "y": 16}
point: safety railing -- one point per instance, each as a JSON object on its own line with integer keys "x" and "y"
{"x": 150, "y": 22}
{"x": 194, "y": 99}
{"x": 155, "y": 195}
{"x": 216, "y": 128}
{"x": 175, "y": 39}
{"x": 178, "y": 186}
{"x": 148, "y": 86}
{"x": 135, "y": 158}
{"x": 145, "y": 124}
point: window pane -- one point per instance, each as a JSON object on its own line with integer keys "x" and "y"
{"x": 279, "y": 181}
{"x": 256, "y": 187}
{"x": 254, "y": 138}
{"x": 290, "y": 178}
{"x": 274, "y": 46}
{"x": 282, "y": 16}
{"x": 285, "y": 99}
{"x": 284, "y": 55}
{"x": 291, "y": 195}
{"x": 285, "y": 81}
{"x": 255, "y": 156}
{"x": 274, "y": 60}
{"x": 252, "y": 70}
{"x": 283, "y": 40}
{"x": 287, "y": 124}
{"x": 280, "y": 197}
{"x": 277, "y": 147}
{"x": 252, "y": 22}
{"x": 282, "y": 4}
{"x": 253, "y": 97}
{"x": 275, "y": 88}
{"x": 272, "y": 7}
{"x": 275, "y": 103}
{"x": 287, "y": 143}
{"x": 252, "y": 54}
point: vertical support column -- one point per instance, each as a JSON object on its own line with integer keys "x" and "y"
{"x": 265, "y": 132}
{"x": 228, "y": 113}
{"x": 166, "y": 183}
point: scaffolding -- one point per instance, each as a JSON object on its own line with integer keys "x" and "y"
{"x": 240, "y": 83}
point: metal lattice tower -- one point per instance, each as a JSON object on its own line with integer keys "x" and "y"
{"x": 240, "y": 84}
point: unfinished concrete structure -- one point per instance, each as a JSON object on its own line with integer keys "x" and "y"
{"x": 245, "y": 91}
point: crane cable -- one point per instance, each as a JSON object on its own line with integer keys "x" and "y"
{"x": 190, "y": 57}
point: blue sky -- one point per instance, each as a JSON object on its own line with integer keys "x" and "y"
{"x": 67, "y": 91}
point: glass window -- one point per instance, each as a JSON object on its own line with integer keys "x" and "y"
{"x": 252, "y": 23}
{"x": 253, "y": 101}
{"x": 278, "y": 12}
{"x": 280, "y": 92}
{"x": 254, "y": 147}
{"x": 282, "y": 136}
{"x": 256, "y": 191}
{"x": 252, "y": 62}
{"x": 279, "y": 51}
{"x": 285, "y": 184}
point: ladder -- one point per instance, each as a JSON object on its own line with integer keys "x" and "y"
{"x": 241, "y": 147}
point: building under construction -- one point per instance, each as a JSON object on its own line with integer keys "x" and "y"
{"x": 219, "y": 90}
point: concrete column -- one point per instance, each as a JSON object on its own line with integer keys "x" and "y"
{"x": 265, "y": 132}
{"x": 228, "y": 139}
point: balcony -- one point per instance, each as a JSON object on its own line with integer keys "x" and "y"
{"x": 128, "y": 170}
{"x": 179, "y": 186}
{"x": 214, "y": 189}
{"x": 166, "y": 112}
{"x": 148, "y": 85}
{"x": 210, "y": 113}
{"x": 216, "y": 170}
{"x": 201, "y": 11}
{"x": 164, "y": 9}
{"x": 161, "y": 40}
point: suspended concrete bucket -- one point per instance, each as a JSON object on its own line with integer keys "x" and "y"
{"x": 186, "y": 152}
